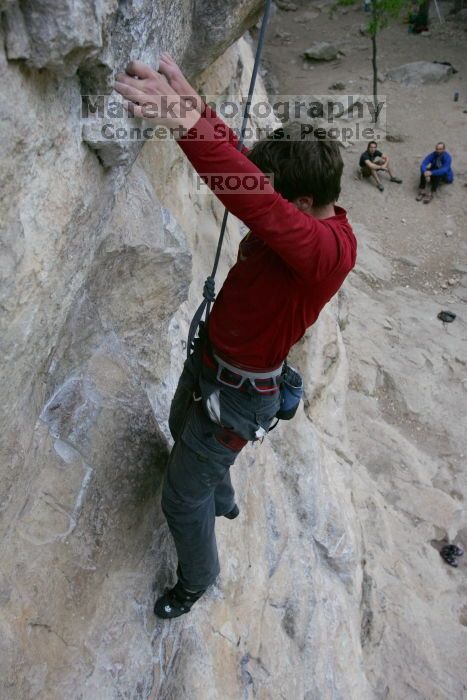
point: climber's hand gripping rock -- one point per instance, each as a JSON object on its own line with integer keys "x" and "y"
{"x": 150, "y": 95}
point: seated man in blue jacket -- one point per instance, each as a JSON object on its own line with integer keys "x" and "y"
{"x": 436, "y": 168}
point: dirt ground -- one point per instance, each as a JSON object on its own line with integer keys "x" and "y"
{"x": 421, "y": 116}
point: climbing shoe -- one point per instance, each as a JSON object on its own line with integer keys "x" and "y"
{"x": 452, "y": 549}
{"x": 175, "y": 602}
{"x": 234, "y": 513}
{"x": 450, "y": 559}
{"x": 450, "y": 554}
{"x": 380, "y": 187}
{"x": 396, "y": 179}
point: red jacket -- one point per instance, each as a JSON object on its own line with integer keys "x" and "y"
{"x": 288, "y": 266}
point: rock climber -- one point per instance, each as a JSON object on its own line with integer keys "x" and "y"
{"x": 299, "y": 249}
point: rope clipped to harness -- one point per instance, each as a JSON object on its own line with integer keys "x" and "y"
{"x": 209, "y": 294}
{"x": 209, "y": 285}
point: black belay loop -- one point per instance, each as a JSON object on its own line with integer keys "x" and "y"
{"x": 206, "y": 303}
{"x": 209, "y": 295}
{"x": 209, "y": 289}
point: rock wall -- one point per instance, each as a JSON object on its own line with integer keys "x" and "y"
{"x": 102, "y": 268}
{"x": 406, "y": 392}
{"x": 332, "y": 586}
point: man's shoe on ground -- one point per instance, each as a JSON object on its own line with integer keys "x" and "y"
{"x": 396, "y": 179}
{"x": 420, "y": 195}
{"x": 232, "y": 514}
{"x": 175, "y": 602}
{"x": 380, "y": 187}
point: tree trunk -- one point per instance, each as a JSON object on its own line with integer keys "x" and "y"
{"x": 375, "y": 76}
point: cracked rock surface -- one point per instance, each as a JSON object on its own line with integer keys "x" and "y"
{"x": 332, "y": 587}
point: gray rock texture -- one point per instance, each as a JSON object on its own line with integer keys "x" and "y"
{"x": 406, "y": 390}
{"x": 104, "y": 251}
{"x": 321, "y": 51}
{"x": 98, "y": 37}
{"x": 103, "y": 263}
{"x": 420, "y": 73}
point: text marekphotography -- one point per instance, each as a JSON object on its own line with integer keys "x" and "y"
{"x": 345, "y": 118}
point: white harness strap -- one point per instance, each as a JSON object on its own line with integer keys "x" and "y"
{"x": 222, "y": 364}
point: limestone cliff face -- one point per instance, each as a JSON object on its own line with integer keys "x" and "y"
{"x": 102, "y": 268}
{"x": 332, "y": 586}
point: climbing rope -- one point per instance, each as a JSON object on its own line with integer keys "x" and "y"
{"x": 209, "y": 290}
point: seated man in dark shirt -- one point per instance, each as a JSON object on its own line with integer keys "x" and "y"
{"x": 372, "y": 161}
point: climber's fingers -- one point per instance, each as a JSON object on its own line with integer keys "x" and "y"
{"x": 150, "y": 96}
{"x": 168, "y": 58}
{"x": 132, "y": 82}
{"x": 168, "y": 67}
{"x": 140, "y": 70}
{"x": 156, "y": 83}
{"x": 131, "y": 93}
{"x": 153, "y": 100}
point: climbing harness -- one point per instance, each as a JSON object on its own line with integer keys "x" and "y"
{"x": 235, "y": 377}
{"x": 209, "y": 285}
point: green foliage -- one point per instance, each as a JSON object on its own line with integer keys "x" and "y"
{"x": 381, "y": 12}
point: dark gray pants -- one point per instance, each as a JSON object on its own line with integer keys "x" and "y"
{"x": 208, "y": 435}
{"x": 435, "y": 182}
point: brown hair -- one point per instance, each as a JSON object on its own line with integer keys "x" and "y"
{"x": 302, "y": 165}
